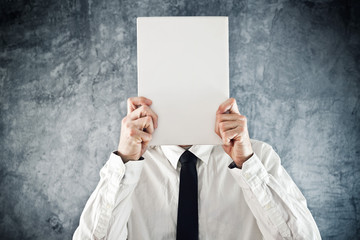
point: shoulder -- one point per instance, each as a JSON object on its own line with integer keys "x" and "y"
{"x": 260, "y": 145}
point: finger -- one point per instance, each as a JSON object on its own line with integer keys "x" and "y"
{"x": 145, "y": 143}
{"x": 144, "y": 111}
{"x": 220, "y": 125}
{"x": 227, "y": 136}
{"x": 145, "y": 137}
{"x": 229, "y": 117}
{"x": 144, "y": 124}
{"x": 140, "y": 136}
{"x": 217, "y": 129}
{"x": 228, "y": 125}
{"x": 135, "y": 102}
{"x": 228, "y": 106}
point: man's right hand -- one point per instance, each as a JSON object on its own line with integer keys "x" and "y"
{"x": 136, "y": 128}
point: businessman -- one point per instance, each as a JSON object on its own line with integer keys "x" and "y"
{"x": 235, "y": 191}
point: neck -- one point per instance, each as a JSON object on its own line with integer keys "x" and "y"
{"x": 186, "y": 147}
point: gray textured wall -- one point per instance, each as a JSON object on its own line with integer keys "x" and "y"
{"x": 67, "y": 68}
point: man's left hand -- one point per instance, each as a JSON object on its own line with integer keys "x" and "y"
{"x": 231, "y": 127}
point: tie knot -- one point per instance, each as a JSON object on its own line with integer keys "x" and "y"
{"x": 187, "y": 157}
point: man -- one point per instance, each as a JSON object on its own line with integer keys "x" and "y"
{"x": 241, "y": 190}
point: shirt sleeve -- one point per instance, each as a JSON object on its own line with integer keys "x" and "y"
{"x": 112, "y": 195}
{"x": 278, "y": 205}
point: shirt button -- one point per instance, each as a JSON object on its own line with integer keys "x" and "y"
{"x": 247, "y": 176}
{"x": 268, "y": 206}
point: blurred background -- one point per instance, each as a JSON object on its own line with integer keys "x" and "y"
{"x": 68, "y": 67}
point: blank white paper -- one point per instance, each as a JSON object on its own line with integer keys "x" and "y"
{"x": 183, "y": 67}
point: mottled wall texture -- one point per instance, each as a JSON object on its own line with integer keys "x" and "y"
{"x": 67, "y": 68}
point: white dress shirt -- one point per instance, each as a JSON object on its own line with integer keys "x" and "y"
{"x": 139, "y": 199}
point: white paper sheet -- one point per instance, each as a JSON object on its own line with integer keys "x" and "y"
{"x": 183, "y": 67}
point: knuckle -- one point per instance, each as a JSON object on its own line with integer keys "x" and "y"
{"x": 144, "y": 109}
{"x": 127, "y": 125}
{"x": 132, "y": 132}
{"x": 148, "y": 119}
{"x": 123, "y": 121}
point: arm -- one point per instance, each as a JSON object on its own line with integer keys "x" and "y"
{"x": 110, "y": 201}
{"x": 277, "y": 204}
{"x": 108, "y": 209}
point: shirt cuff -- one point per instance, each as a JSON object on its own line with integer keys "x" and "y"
{"x": 251, "y": 174}
{"x": 117, "y": 153}
{"x": 128, "y": 173}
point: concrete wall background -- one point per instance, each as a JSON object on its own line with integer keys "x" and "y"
{"x": 67, "y": 68}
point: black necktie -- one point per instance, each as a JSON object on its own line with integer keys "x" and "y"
{"x": 187, "y": 220}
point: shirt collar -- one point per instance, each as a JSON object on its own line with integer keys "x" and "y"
{"x": 173, "y": 152}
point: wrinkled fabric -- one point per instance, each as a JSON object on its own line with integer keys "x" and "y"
{"x": 138, "y": 199}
